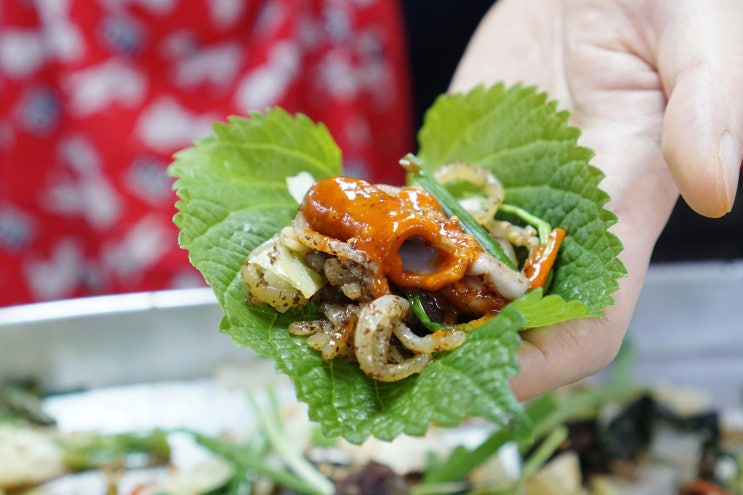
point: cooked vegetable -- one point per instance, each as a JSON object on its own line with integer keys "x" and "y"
{"x": 27, "y": 456}
{"x": 19, "y": 402}
{"x": 540, "y": 262}
{"x": 278, "y": 275}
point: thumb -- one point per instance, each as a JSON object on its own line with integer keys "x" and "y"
{"x": 700, "y": 60}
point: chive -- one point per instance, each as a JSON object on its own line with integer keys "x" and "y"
{"x": 544, "y": 452}
{"x": 23, "y": 403}
{"x": 440, "y": 488}
{"x": 420, "y": 313}
{"x": 93, "y": 451}
{"x": 543, "y": 228}
{"x": 462, "y": 460}
{"x": 271, "y": 423}
{"x": 452, "y": 208}
{"x": 243, "y": 459}
{"x": 297, "y": 474}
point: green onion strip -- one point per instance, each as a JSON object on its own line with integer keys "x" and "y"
{"x": 420, "y": 313}
{"x": 452, "y": 208}
{"x": 543, "y": 228}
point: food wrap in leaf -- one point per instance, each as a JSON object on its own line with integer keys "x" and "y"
{"x": 233, "y": 195}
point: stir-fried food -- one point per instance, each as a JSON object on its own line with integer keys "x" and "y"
{"x": 395, "y": 278}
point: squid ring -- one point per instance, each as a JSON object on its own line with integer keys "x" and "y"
{"x": 377, "y": 321}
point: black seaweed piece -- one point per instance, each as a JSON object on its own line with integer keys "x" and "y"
{"x": 373, "y": 479}
{"x": 705, "y": 424}
{"x": 622, "y": 438}
{"x": 630, "y": 432}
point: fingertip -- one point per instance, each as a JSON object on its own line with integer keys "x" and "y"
{"x": 701, "y": 67}
{"x": 731, "y": 158}
{"x": 702, "y": 153}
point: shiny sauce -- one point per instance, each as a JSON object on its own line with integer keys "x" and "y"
{"x": 407, "y": 235}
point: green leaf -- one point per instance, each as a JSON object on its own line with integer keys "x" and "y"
{"x": 469, "y": 381}
{"x": 540, "y": 311}
{"x": 232, "y": 187}
{"x": 233, "y": 196}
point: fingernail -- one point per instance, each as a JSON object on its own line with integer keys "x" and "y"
{"x": 731, "y": 156}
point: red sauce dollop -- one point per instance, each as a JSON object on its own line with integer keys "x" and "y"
{"x": 378, "y": 224}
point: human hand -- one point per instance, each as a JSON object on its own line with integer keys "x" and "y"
{"x": 657, "y": 88}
